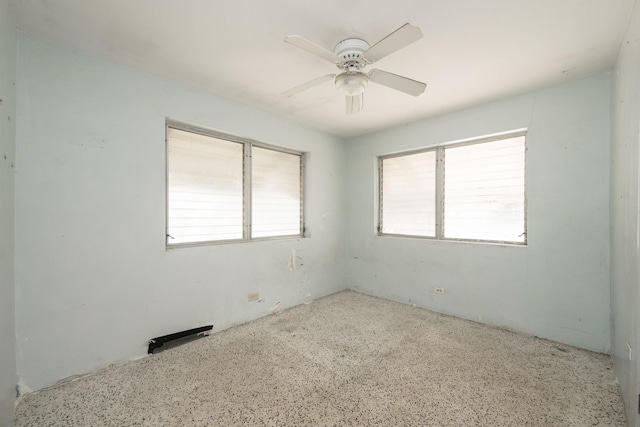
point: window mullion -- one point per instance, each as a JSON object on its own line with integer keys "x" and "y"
{"x": 246, "y": 192}
{"x": 380, "y": 196}
{"x": 439, "y": 193}
{"x": 303, "y": 230}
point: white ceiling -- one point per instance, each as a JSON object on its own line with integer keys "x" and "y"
{"x": 472, "y": 50}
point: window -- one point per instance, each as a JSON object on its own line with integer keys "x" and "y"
{"x": 409, "y": 189}
{"x": 468, "y": 191}
{"x": 216, "y": 182}
{"x": 484, "y": 191}
{"x": 275, "y": 193}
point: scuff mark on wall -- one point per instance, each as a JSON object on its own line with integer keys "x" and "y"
{"x": 22, "y": 388}
{"x": 295, "y": 261}
{"x": 292, "y": 259}
{"x": 275, "y": 308}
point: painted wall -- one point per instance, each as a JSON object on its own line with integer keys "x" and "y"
{"x": 557, "y": 287}
{"x": 7, "y": 197}
{"x": 625, "y": 251}
{"x": 93, "y": 279}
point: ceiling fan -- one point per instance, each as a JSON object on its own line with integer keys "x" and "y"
{"x": 351, "y": 56}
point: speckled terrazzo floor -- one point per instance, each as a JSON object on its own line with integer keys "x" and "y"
{"x": 344, "y": 360}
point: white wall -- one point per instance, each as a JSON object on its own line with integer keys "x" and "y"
{"x": 93, "y": 279}
{"x": 625, "y": 252}
{"x": 558, "y": 286}
{"x": 7, "y": 195}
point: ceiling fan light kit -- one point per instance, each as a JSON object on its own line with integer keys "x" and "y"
{"x": 351, "y": 56}
{"x": 352, "y": 83}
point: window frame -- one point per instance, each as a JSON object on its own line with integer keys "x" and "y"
{"x": 247, "y": 143}
{"x": 440, "y": 181}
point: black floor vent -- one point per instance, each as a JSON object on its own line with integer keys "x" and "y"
{"x": 156, "y": 345}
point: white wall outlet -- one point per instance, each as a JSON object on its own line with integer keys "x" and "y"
{"x": 439, "y": 290}
{"x": 254, "y": 296}
{"x": 629, "y": 352}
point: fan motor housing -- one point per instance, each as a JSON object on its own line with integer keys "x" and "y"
{"x": 350, "y": 50}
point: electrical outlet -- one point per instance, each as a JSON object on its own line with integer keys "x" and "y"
{"x": 629, "y": 352}
{"x": 439, "y": 290}
{"x": 254, "y": 296}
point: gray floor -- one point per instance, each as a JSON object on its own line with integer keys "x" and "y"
{"x": 347, "y": 359}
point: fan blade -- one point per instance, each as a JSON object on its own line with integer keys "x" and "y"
{"x": 308, "y": 85}
{"x": 394, "y": 81}
{"x": 354, "y": 103}
{"x": 400, "y": 38}
{"x": 311, "y": 47}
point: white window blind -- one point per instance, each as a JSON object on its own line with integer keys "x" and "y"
{"x": 484, "y": 192}
{"x": 205, "y": 188}
{"x": 275, "y": 193}
{"x": 408, "y": 198}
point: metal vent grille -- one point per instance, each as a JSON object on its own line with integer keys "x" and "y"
{"x": 156, "y": 345}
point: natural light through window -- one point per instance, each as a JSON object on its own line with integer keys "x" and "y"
{"x": 466, "y": 191}
{"x": 204, "y": 188}
{"x": 226, "y": 189}
{"x": 484, "y": 191}
{"x": 275, "y": 193}
{"x": 409, "y": 194}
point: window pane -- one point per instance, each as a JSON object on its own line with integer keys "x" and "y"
{"x": 205, "y": 188}
{"x": 484, "y": 191}
{"x": 409, "y": 194}
{"x": 275, "y": 193}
